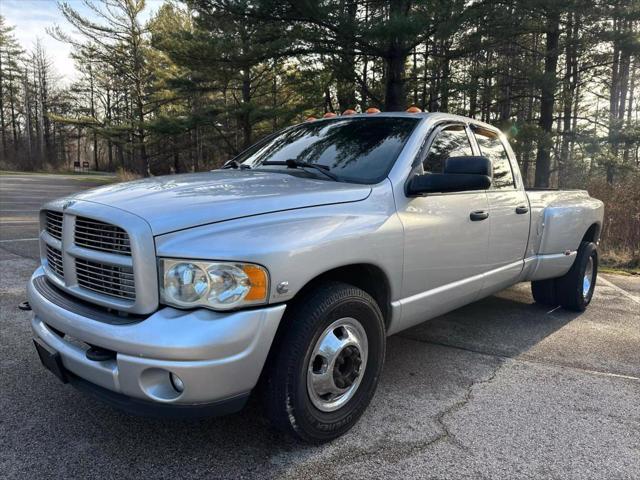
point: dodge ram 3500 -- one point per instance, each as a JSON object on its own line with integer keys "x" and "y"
{"x": 289, "y": 267}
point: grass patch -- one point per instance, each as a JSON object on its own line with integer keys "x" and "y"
{"x": 626, "y": 272}
{"x": 99, "y": 178}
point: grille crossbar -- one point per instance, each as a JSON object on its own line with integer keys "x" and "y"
{"x": 97, "y": 235}
{"x": 54, "y": 224}
{"x": 54, "y": 259}
{"x": 112, "y": 280}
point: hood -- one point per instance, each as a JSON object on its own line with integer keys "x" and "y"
{"x": 181, "y": 201}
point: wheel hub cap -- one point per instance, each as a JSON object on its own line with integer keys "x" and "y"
{"x": 337, "y": 364}
{"x": 347, "y": 367}
{"x": 588, "y": 278}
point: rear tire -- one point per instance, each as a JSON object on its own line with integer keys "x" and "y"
{"x": 333, "y": 340}
{"x": 575, "y": 289}
{"x": 544, "y": 292}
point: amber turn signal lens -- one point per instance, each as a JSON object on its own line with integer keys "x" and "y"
{"x": 372, "y": 110}
{"x": 258, "y": 279}
{"x": 349, "y": 111}
{"x": 413, "y": 109}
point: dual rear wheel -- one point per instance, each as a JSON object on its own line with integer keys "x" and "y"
{"x": 574, "y": 290}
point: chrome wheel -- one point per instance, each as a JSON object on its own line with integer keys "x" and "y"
{"x": 337, "y": 364}
{"x": 587, "y": 280}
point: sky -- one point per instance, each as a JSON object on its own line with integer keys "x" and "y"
{"x": 32, "y": 18}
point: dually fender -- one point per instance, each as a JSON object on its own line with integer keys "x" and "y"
{"x": 299, "y": 245}
{"x": 559, "y": 222}
{"x": 563, "y": 225}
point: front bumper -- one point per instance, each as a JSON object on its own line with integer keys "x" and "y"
{"x": 218, "y": 356}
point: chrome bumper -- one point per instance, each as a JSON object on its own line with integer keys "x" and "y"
{"x": 216, "y": 355}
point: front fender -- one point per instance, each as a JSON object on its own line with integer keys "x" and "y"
{"x": 298, "y": 245}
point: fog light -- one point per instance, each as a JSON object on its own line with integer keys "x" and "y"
{"x": 177, "y": 382}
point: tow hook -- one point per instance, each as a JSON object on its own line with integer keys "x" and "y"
{"x": 25, "y": 306}
{"x": 98, "y": 354}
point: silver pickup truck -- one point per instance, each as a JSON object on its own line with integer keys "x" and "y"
{"x": 284, "y": 272}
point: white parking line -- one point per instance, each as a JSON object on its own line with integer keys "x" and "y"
{"x": 20, "y": 240}
{"x": 620, "y": 290}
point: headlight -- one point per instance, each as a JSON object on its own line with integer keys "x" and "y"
{"x": 217, "y": 285}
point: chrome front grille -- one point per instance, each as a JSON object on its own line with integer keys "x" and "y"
{"x": 113, "y": 280}
{"x": 54, "y": 260}
{"x": 54, "y": 224}
{"x": 112, "y": 265}
{"x": 101, "y": 236}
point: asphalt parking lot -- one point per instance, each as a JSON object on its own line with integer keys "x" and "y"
{"x": 502, "y": 388}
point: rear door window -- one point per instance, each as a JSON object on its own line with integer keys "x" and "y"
{"x": 492, "y": 147}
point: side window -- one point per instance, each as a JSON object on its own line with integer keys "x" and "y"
{"x": 491, "y": 147}
{"x": 451, "y": 142}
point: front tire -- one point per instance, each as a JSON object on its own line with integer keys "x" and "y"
{"x": 328, "y": 362}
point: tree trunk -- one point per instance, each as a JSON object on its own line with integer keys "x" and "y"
{"x": 145, "y": 168}
{"x": 27, "y": 119}
{"x": 632, "y": 86}
{"x": 425, "y": 75}
{"x": 12, "y": 108}
{"x": 2, "y": 120}
{"x": 365, "y": 67}
{"x": 345, "y": 71}
{"x": 444, "y": 82}
{"x": 245, "y": 115}
{"x": 568, "y": 93}
{"x": 109, "y": 115}
{"x": 176, "y": 156}
{"x": 395, "y": 62}
{"x": 473, "y": 90}
{"x": 120, "y": 155}
{"x": 547, "y": 100}
{"x": 394, "y": 99}
{"x": 93, "y": 116}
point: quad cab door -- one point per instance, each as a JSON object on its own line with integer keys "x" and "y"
{"x": 509, "y": 215}
{"x": 446, "y": 246}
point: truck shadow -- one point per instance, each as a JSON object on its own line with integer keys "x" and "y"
{"x": 507, "y": 324}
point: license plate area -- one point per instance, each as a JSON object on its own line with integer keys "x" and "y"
{"x": 50, "y": 359}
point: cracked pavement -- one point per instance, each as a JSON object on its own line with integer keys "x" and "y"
{"x": 502, "y": 388}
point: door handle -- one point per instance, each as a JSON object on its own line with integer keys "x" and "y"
{"x": 478, "y": 215}
{"x": 522, "y": 209}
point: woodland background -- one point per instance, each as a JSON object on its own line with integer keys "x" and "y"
{"x": 203, "y": 79}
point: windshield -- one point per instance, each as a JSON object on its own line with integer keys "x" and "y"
{"x": 359, "y": 150}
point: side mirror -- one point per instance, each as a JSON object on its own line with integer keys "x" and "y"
{"x": 460, "y": 174}
{"x": 469, "y": 164}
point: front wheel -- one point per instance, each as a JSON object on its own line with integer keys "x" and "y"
{"x": 328, "y": 363}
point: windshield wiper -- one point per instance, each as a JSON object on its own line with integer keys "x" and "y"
{"x": 293, "y": 163}
{"x": 235, "y": 165}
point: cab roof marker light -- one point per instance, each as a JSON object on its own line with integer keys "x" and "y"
{"x": 329, "y": 115}
{"x": 372, "y": 110}
{"x": 349, "y": 111}
{"x": 414, "y": 109}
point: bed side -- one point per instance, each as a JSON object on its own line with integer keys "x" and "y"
{"x": 560, "y": 220}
